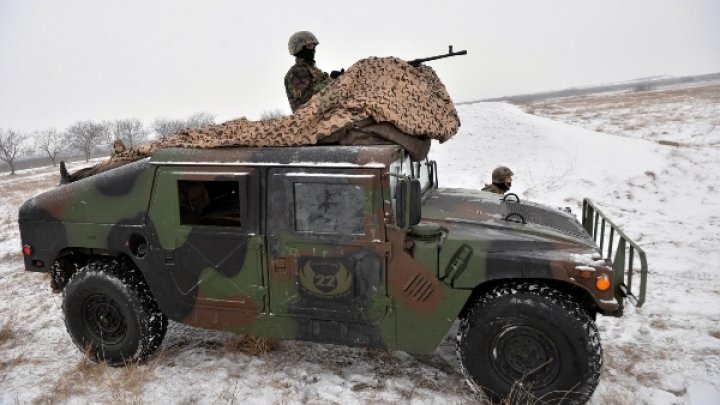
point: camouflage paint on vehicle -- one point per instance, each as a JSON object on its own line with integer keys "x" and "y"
{"x": 312, "y": 250}
{"x": 483, "y": 236}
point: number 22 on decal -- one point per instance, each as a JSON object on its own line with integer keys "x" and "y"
{"x": 325, "y": 281}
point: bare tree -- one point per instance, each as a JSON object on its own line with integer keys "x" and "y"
{"x": 273, "y": 114}
{"x": 51, "y": 142}
{"x": 11, "y": 146}
{"x": 86, "y": 136}
{"x": 165, "y": 127}
{"x": 130, "y": 131}
{"x": 200, "y": 119}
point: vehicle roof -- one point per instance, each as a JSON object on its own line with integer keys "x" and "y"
{"x": 372, "y": 156}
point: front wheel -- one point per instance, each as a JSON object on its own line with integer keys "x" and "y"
{"x": 110, "y": 313}
{"x": 532, "y": 342}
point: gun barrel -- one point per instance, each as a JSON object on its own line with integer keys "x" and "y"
{"x": 417, "y": 62}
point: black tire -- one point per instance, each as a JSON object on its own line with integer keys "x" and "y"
{"x": 111, "y": 314}
{"x": 530, "y": 343}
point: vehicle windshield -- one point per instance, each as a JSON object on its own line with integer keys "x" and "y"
{"x": 423, "y": 171}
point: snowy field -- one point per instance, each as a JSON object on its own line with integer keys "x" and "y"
{"x": 664, "y": 195}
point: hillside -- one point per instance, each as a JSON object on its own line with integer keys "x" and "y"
{"x": 687, "y": 115}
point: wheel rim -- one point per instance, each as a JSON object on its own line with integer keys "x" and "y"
{"x": 103, "y": 319}
{"x": 525, "y": 355}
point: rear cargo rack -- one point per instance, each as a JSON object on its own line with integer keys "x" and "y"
{"x": 622, "y": 252}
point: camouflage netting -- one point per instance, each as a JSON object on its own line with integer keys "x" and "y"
{"x": 378, "y": 100}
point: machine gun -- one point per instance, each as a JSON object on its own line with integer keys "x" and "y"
{"x": 417, "y": 62}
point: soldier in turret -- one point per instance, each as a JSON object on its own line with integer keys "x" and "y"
{"x": 304, "y": 79}
{"x": 501, "y": 181}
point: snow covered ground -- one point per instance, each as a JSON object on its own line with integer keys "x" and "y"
{"x": 682, "y": 114}
{"x": 668, "y": 352}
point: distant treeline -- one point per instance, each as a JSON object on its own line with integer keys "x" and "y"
{"x": 89, "y": 139}
{"x": 85, "y": 139}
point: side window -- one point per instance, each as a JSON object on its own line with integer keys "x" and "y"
{"x": 329, "y": 208}
{"x": 215, "y": 203}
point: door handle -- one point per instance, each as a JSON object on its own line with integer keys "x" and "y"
{"x": 279, "y": 265}
{"x": 169, "y": 256}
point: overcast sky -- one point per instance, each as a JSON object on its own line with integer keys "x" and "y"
{"x": 63, "y": 61}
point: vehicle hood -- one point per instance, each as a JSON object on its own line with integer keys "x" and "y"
{"x": 477, "y": 214}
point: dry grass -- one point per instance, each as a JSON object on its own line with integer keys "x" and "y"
{"x": 8, "y": 221}
{"x": 647, "y": 378}
{"x": 13, "y": 362}
{"x": 375, "y": 386}
{"x": 18, "y": 190}
{"x": 32, "y": 186}
{"x": 7, "y": 329}
{"x": 10, "y": 339}
{"x": 593, "y": 105}
{"x": 669, "y": 143}
{"x": 227, "y": 396}
{"x": 12, "y": 258}
{"x": 73, "y": 382}
{"x": 628, "y": 360}
{"x": 123, "y": 385}
{"x": 611, "y": 398}
{"x": 250, "y": 345}
{"x": 520, "y": 395}
{"x": 715, "y": 334}
{"x": 624, "y": 113}
{"x": 660, "y": 324}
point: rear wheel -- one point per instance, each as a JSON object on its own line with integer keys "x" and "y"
{"x": 530, "y": 342}
{"x": 110, "y": 313}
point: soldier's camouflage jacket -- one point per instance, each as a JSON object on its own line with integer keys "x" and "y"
{"x": 302, "y": 81}
{"x": 492, "y": 188}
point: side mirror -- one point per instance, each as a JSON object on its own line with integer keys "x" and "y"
{"x": 407, "y": 202}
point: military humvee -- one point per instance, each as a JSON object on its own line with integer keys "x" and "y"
{"x": 352, "y": 245}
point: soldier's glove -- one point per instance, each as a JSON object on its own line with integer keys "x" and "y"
{"x": 336, "y": 73}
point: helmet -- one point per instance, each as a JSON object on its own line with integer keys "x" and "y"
{"x": 118, "y": 141}
{"x": 500, "y": 173}
{"x": 299, "y": 39}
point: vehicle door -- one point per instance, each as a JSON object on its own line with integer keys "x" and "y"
{"x": 207, "y": 222}
{"x": 327, "y": 251}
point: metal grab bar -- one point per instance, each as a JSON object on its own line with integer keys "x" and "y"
{"x": 625, "y": 249}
